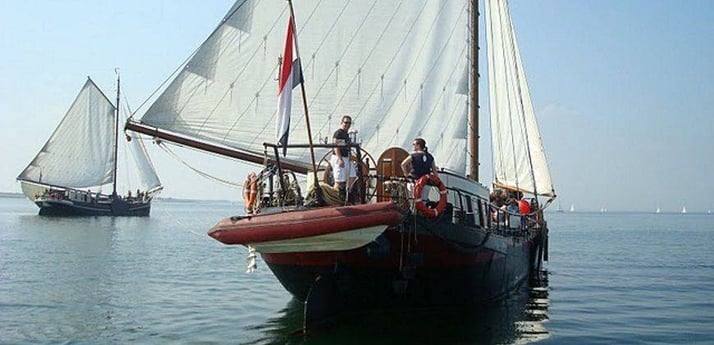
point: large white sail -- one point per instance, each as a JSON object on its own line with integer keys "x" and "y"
{"x": 80, "y": 152}
{"x": 518, "y": 157}
{"x": 396, "y": 67}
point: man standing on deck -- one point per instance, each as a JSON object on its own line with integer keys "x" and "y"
{"x": 343, "y": 170}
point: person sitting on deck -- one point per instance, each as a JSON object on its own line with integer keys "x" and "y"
{"x": 524, "y": 206}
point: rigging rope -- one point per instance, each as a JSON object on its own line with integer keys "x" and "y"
{"x": 200, "y": 172}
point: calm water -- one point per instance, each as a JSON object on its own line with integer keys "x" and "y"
{"x": 613, "y": 279}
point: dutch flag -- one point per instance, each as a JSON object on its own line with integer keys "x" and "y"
{"x": 290, "y": 77}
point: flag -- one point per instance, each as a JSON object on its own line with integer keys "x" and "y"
{"x": 290, "y": 77}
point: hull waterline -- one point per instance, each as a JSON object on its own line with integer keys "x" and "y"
{"x": 115, "y": 208}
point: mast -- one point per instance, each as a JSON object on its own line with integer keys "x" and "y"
{"x": 116, "y": 136}
{"x": 304, "y": 98}
{"x": 473, "y": 91}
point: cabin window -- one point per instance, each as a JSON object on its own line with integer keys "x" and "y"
{"x": 469, "y": 216}
{"x": 480, "y": 212}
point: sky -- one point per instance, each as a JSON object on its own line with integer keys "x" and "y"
{"x": 623, "y": 90}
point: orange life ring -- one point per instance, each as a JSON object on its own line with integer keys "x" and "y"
{"x": 250, "y": 191}
{"x": 434, "y": 180}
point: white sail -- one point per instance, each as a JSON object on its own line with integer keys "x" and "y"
{"x": 80, "y": 152}
{"x": 137, "y": 170}
{"x": 518, "y": 157}
{"x": 396, "y": 67}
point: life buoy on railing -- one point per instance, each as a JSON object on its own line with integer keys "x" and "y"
{"x": 250, "y": 191}
{"x": 433, "y": 180}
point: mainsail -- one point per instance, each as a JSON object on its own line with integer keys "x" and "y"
{"x": 80, "y": 152}
{"x": 519, "y": 161}
{"x": 396, "y": 67}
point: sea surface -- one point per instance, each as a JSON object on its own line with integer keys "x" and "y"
{"x": 613, "y": 278}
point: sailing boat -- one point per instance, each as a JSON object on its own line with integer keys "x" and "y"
{"x": 684, "y": 209}
{"x": 401, "y": 70}
{"x": 79, "y": 160}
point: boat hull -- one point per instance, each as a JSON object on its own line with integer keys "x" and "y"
{"x": 115, "y": 208}
{"x": 419, "y": 265}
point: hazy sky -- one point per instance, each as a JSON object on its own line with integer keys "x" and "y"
{"x": 624, "y": 90}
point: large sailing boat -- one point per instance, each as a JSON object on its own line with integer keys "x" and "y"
{"x": 402, "y": 70}
{"x": 69, "y": 174}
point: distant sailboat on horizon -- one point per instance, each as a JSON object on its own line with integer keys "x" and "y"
{"x": 572, "y": 208}
{"x": 684, "y": 209}
{"x": 70, "y": 175}
{"x": 657, "y": 211}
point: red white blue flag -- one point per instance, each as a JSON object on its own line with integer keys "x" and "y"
{"x": 290, "y": 77}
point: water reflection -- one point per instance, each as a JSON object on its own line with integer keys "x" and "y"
{"x": 517, "y": 320}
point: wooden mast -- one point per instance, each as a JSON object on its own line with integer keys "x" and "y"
{"x": 304, "y": 99}
{"x": 473, "y": 101}
{"x": 116, "y": 136}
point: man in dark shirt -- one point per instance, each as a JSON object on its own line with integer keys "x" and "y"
{"x": 342, "y": 168}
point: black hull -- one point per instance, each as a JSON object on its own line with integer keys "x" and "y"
{"x": 113, "y": 208}
{"x": 426, "y": 264}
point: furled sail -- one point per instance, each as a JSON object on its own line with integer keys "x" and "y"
{"x": 396, "y": 67}
{"x": 519, "y": 161}
{"x": 80, "y": 152}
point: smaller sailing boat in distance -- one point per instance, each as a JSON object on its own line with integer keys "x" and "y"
{"x": 658, "y": 210}
{"x": 79, "y": 160}
{"x": 684, "y": 209}
{"x": 572, "y": 208}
